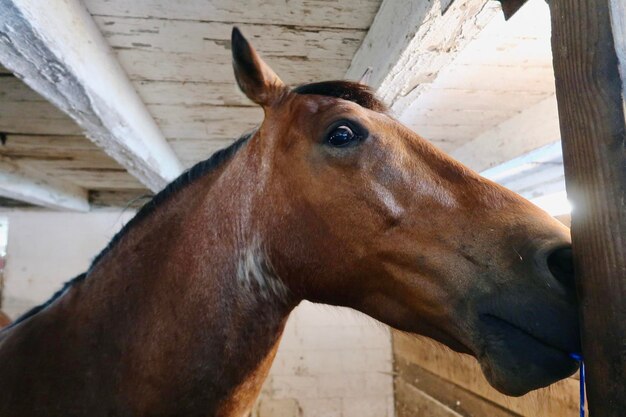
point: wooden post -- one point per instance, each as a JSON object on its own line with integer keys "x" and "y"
{"x": 588, "y": 45}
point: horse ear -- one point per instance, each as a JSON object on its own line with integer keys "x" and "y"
{"x": 255, "y": 78}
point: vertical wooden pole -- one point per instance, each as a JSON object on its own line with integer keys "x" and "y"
{"x": 588, "y": 45}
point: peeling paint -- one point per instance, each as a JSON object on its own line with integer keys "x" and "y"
{"x": 27, "y": 53}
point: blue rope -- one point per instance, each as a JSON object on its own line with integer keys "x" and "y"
{"x": 579, "y": 358}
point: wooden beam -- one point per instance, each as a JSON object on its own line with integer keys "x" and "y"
{"x": 4, "y": 319}
{"x": 534, "y": 174}
{"x": 123, "y": 199}
{"x": 618, "y": 25}
{"x": 20, "y": 183}
{"x": 301, "y": 14}
{"x": 414, "y": 402}
{"x": 410, "y": 41}
{"x": 589, "y": 50}
{"x": 533, "y": 128}
{"x": 198, "y": 56}
{"x": 35, "y": 117}
{"x": 549, "y": 155}
{"x": 211, "y": 39}
{"x": 57, "y": 49}
{"x": 74, "y": 159}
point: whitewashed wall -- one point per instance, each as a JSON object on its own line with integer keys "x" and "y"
{"x": 332, "y": 362}
{"x": 47, "y": 248}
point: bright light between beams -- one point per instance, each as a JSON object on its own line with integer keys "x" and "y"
{"x": 555, "y": 204}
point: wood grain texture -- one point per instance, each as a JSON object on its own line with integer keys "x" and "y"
{"x": 72, "y": 159}
{"x": 42, "y": 138}
{"x": 317, "y": 13}
{"x": 59, "y": 51}
{"x": 413, "y": 402}
{"x": 455, "y": 88}
{"x": 530, "y": 129}
{"x": 35, "y": 117}
{"x": 23, "y": 183}
{"x": 593, "y": 128}
{"x": 190, "y": 150}
{"x": 124, "y": 199}
{"x": 461, "y": 401}
{"x": 558, "y": 400}
{"x": 213, "y": 38}
{"x": 13, "y": 89}
{"x": 192, "y": 93}
{"x": 90, "y": 178}
{"x": 142, "y": 65}
{"x": 205, "y": 122}
{"x": 410, "y": 42}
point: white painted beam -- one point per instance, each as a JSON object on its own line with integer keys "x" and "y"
{"x": 410, "y": 41}
{"x": 57, "y": 49}
{"x": 529, "y": 130}
{"x": 20, "y": 183}
{"x": 534, "y": 174}
{"x": 538, "y": 176}
{"x": 618, "y": 24}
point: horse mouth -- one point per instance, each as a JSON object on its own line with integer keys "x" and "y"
{"x": 495, "y": 321}
{"x": 516, "y": 361}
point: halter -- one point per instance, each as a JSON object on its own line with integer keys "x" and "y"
{"x": 578, "y": 357}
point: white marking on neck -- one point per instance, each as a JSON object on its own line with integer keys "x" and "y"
{"x": 256, "y": 273}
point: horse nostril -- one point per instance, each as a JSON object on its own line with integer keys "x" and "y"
{"x": 561, "y": 265}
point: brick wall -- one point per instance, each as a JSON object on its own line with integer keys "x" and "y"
{"x": 332, "y": 362}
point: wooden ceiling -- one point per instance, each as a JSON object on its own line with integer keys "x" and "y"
{"x": 38, "y": 135}
{"x": 177, "y": 55}
{"x": 479, "y": 87}
{"x": 507, "y": 68}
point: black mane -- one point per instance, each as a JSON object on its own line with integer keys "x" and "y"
{"x": 346, "y": 90}
{"x": 358, "y": 93}
{"x": 198, "y": 170}
{"x": 40, "y": 307}
{"x": 187, "y": 177}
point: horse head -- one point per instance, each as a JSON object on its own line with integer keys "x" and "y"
{"x": 360, "y": 211}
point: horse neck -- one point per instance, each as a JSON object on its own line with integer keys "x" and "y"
{"x": 189, "y": 298}
{"x": 4, "y": 320}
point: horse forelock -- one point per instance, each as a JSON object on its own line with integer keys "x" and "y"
{"x": 357, "y": 93}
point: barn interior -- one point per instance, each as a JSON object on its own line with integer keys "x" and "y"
{"x": 103, "y": 102}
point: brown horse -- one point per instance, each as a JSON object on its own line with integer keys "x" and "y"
{"x": 329, "y": 200}
{"x": 4, "y": 320}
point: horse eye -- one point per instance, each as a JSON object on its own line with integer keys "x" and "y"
{"x": 341, "y": 136}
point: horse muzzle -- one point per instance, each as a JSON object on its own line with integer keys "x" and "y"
{"x": 526, "y": 334}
